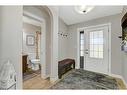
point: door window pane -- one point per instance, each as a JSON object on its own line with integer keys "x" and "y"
{"x": 95, "y": 34}
{"x": 91, "y": 35}
{"x": 91, "y": 41}
{"x": 81, "y": 43}
{"x": 95, "y": 54}
{"x": 81, "y": 52}
{"x": 95, "y": 48}
{"x": 100, "y": 41}
{"x": 95, "y": 41}
{"x": 96, "y": 44}
{"x": 100, "y": 54}
{"x": 100, "y": 48}
{"x": 82, "y": 36}
{"x": 82, "y": 47}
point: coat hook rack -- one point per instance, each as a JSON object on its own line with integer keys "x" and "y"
{"x": 62, "y": 34}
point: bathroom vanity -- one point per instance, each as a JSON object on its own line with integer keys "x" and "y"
{"x": 24, "y": 63}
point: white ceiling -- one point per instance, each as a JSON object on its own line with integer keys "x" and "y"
{"x": 70, "y": 16}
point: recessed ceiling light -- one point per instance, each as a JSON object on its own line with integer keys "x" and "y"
{"x": 83, "y": 9}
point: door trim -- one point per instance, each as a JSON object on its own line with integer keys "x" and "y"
{"x": 109, "y": 44}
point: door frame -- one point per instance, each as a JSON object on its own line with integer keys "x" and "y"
{"x": 43, "y": 41}
{"x": 109, "y": 43}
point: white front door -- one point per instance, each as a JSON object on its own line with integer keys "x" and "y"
{"x": 96, "y": 49}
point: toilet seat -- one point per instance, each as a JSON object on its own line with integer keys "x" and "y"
{"x": 35, "y": 64}
{"x": 35, "y": 61}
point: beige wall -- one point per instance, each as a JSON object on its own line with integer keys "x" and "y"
{"x": 62, "y": 40}
{"x": 116, "y": 55}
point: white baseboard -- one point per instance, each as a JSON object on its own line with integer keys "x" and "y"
{"x": 119, "y": 76}
{"x": 45, "y": 77}
{"x": 54, "y": 79}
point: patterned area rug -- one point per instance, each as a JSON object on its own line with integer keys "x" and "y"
{"x": 82, "y": 79}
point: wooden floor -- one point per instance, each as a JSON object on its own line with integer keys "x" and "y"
{"x": 39, "y": 83}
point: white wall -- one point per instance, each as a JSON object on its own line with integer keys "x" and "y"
{"x": 116, "y": 56}
{"x": 11, "y": 33}
{"x": 62, "y": 41}
{"x": 54, "y": 42}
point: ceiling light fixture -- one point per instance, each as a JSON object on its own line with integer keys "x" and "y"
{"x": 83, "y": 9}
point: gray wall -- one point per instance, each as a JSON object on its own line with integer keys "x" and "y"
{"x": 29, "y": 29}
{"x": 116, "y": 56}
{"x": 0, "y": 36}
{"x": 62, "y": 41}
{"x": 11, "y": 35}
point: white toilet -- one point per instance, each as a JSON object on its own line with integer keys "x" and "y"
{"x": 35, "y": 64}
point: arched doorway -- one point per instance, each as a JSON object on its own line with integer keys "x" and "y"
{"x": 53, "y": 12}
{"x": 49, "y": 38}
